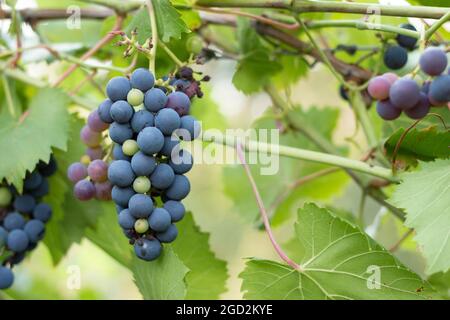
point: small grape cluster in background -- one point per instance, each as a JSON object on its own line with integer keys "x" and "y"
{"x": 148, "y": 168}
{"x": 90, "y": 175}
{"x": 396, "y": 56}
{"x": 23, "y": 218}
{"x": 396, "y": 95}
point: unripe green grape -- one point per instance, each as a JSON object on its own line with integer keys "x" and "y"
{"x": 141, "y": 226}
{"x": 141, "y": 184}
{"x": 135, "y": 97}
{"x": 139, "y": 107}
{"x": 85, "y": 159}
{"x": 194, "y": 44}
{"x": 130, "y": 147}
{"x": 5, "y": 197}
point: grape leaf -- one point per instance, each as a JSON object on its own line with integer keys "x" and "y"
{"x": 441, "y": 282}
{"x": 338, "y": 263}
{"x": 424, "y": 195}
{"x": 207, "y": 274}
{"x": 424, "y": 144}
{"x": 26, "y": 141}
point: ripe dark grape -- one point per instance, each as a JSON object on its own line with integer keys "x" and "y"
{"x": 121, "y": 112}
{"x": 440, "y": 89}
{"x": 181, "y": 162}
{"x": 387, "y": 110}
{"x": 155, "y": 99}
{"x": 180, "y": 102}
{"x": 162, "y": 177}
{"x": 378, "y": 88}
{"x": 6, "y": 278}
{"x": 142, "y": 164}
{"x": 120, "y": 173}
{"x": 140, "y": 206}
{"x": 142, "y": 79}
{"x": 104, "y": 111}
{"x": 119, "y": 133}
{"x": 24, "y": 203}
{"x": 103, "y": 190}
{"x": 159, "y": 220}
{"x": 192, "y": 126}
{"x": 141, "y": 120}
{"x": 14, "y": 220}
{"x": 169, "y": 235}
{"x": 407, "y": 41}
{"x": 117, "y": 88}
{"x": 167, "y": 120}
{"x": 122, "y": 196}
{"x": 181, "y": 84}
{"x": 17, "y": 241}
{"x": 126, "y": 220}
{"x": 404, "y": 93}
{"x": 147, "y": 250}
{"x": 170, "y": 143}
{"x": 176, "y": 210}
{"x": 76, "y": 172}
{"x": 95, "y": 123}
{"x": 35, "y": 230}
{"x": 42, "y": 212}
{"x": 42, "y": 190}
{"x": 395, "y": 57}
{"x": 179, "y": 189}
{"x": 84, "y": 190}
{"x": 95, "y": 153}
{"x": 118, "y": 153}
{"x": 89, "y": 137}
{"x": 433, "y": 61}
{"x": 421, "y": 109}
{"x": 98, "y": 170}
{"x": 150, "y": 140}
{"x": 47, "y": 169}
{"x": 33, "y": 181}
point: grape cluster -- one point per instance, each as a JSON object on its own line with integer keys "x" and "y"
{"x": 22, "y": 219}
{"x": 90, "y": 174}
{"x": 396, "y": 95}
{"x": 146, "y": 125}
{"x": 396, "y": 56}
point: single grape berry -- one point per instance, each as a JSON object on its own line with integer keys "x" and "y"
{"x": 440, "y": 89}
{"x": 142, "y": 164}
{"x": 395, "y": 57}
{"x": 121, "y": 111}
{"x": 6, "y": 278}
{"x": 390, "y": 76}
{"x": 179, "y": 189}
{"x": 76, "y": 172}
{"x": 42, "y": 212}
{"x": 378, "y": 88}
{"x": 89, "y": 137}
{"x": 95, "y": 123}
{"x": 104, "y": 111}
{"x": 171, "y": 145}
{"x": 387, "y": 111}
{"x": 176, "y": 210}
{"x": 98, "y": 170}
{"x": 141, "y": 185}
{"x": 35, "y": 230}
{"x": 49, "y": 168}
{"x": 140, "y": 206}
{"x": 169, "y": 235}
{"x": 135, "y": 97}
{"x": 95, "y": 153}
{"x": 42, "y": 190}
{"x": 159, "y": 220}
{"x": 84, "y": 190}
{"x": 147, "y": 250}
{"x": 404, "y": 93}
{"x": 17, "y": 241}
{"x": 433, "y": 61}
{"x": 122, "y": 196}
{"x": 32, "y": 181}
{"x": 24, "y": 203}
{"x": 194, "y": 44}
{"x": 103, "y": 190}
{"x": 191, "y": 128}
{"x": 118, "y": 153}
{"x": 141, "y": 120}
{"x": 126, "y": 220}
{"x": 167, "y": 121}
{"x": 155, "y": 99}
{"x": 130, "y": 147}
{"x": 14, "y": 220}
{"x": 150, "y": 140}
{"x": 5, "y": 197}
{"x": 117, "y": 88}
{"x": 119, "y": 133}
{"x": 162, "y": 177}
{"x": 181, "y": 162}
{"x": 180, "y": 102}
{"x": 421, "y": 109}
{"x": 141, "y": 225}
{"x": 120, "y": 173}
{"x": 142, "y": 79}
{"x": 407, "y": 41}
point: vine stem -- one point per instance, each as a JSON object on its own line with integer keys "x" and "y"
{"x": 154, "y": 43}
{"x": 263, "y": 211}
{"x": 172, "y": 55}
{"x": 9, "y": 100}
{"x": 429, "y": 33}
{"x": 363, "y": 116}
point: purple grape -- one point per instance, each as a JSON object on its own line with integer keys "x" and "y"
{"x": 103, "y": 190}
{"x": 390, "y": 76}
{"x": 89, "y": 137}
{"x": 387, "y": 110}
{"x": 117, "y": 88}
{"x": 404, "y": 93}
{"x": 84, "y": 190}
{"x": 180, "y": 102}
{"x": 76, "y": 172}
{"x": 95, "y": 153}
{"x": 421, "y": 109}
{"x": 379, "y": 88}
{"x": 98, "y": 170}
{"x": 433, "y": 61}
{"x": 95, "y": 123}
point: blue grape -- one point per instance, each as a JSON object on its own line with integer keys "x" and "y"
{"x": 35, "y": 230}
{"x": 169, "y": 235}
{"x": 141, "y": 120}
{"x": 142, "y": 79}
{"x": 142, "y": 164}
{"x": 167, "y": 121}
{"x": 76, "y": 172}
{"x": 120, "y": 173}
{"x": 84, "y": 190}
{"x": 182, "y": 162}
{"x": 118, "y": 153}
{"x": 433, "y": 61}
{"x": 147, "y": 250}
{"x": 387, "y": 111}
{"x": 6, "y": 278}
{"x": 117, "y": 88}
{"x": 176, "y": 210}
{"x": 3, "y": 237}
{"x": 155, "y": 99}
{"x": 395, "y": 57}
{"x": 104, "y": 111}
{"x": 192, "y": 127}
{"x": 159, "y": 220}
{"x": 42, "y": 190}
{"x": 421, "y": 109}
{"x": 17, "y": 241}
{"x": 404, "y": 93}
{"x": 126, "y": 220}
{"x": 162, "y": 177}
{"x": 119, "y": 133}
{"x": 407, "y": 41}
{"x": 14, "y": 220}
{"x": 33, "y": 181}
{"x": 440, "y": 89}
{"x": 24, "y": 203}
{"x": 179, "y": 189}
{"x": 42, "y": 212}
{"x": 48, "y": 169}
{"x": 121, "y": 196}
{"x": 121, "y": 111}
{"x": 150, "y": 140}
{"x": 170, "y": 143}
{"x": 140, "y": 206}
{"x": 180, "y": 102}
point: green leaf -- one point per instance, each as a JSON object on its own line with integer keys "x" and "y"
{"x": 338, "y": 263}
{"x": 168, "y": 21}
{"x": 292, "y": 69}
{"x": 441, "y": 282}
{"x": 26, "y": 141}
{"x": 162, "y": 279}
{"x": 424, "y": 195}
{"x": 424, "y": 144}
{"x": 207, "y": 274}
